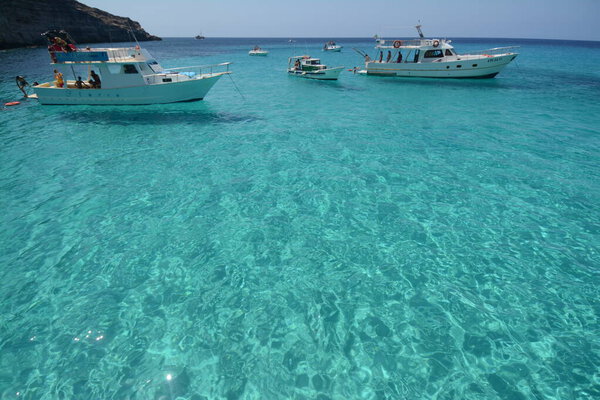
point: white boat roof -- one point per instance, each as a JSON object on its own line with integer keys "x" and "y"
{"x": 304, "y": 58}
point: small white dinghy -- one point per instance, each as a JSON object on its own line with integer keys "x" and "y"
{"x": 311, "y": 68}
{"x": 257, "y": 51}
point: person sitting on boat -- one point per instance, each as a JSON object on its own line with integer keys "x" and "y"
{"x": 389, "y": 57}
{"x": 63, "y": 45}
{"x": 399, "y": 59}
{"x": 21, "y": 84}
{"x": 79, "y": 84}
{"x": 58, "y": 79}
{"x": 95, "y": 81}
{"x": 297, "y": 65}
{"x": 367, "y": 58}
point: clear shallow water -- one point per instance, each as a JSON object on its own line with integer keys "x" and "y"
{"x": 369, "y": 238}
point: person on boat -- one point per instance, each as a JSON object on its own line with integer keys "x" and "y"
{"x": 297, "y": 65}
{"x": 79, "y": 84}
{"x": 380, "y": 56}
{"x": 389, "y": 57}
{"x": 21, "y": 84}
{"x": 58, "y": 79}
{"x": 399, "y": 59}
{"x": 95, "y": 81}
{"x": 63, "y": 44}
{"x": 367, "y": 58}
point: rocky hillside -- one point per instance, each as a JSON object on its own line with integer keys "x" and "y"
{"x": 22, "y": 22}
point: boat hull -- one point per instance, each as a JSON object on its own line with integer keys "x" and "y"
{"x": 329, "y": 74}
{"x": 258, "y": 53}
{"x": 336, "y": 49}
{"x": 480, "y": 68}
{"x": 190, "y": 90}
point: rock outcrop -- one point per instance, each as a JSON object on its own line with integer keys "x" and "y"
{"x": 23, "y": 21}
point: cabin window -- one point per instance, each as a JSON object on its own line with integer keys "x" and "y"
{"x": 433, "y": 54}
{"x": 114, "y": 68}
{"x": 449, "y": 52}
{"x": 129, "y": 69}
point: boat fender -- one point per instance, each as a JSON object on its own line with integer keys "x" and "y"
{"x": 397, "y": 44}
{"x": 436, "y": 43}
{"x": 12, "y": 103}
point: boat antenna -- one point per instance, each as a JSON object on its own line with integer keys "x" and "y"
{"x": 420, "y": 31}
{"x": 133, "y": 34}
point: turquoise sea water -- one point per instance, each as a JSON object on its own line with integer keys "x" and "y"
{"x": 371, "y": 238}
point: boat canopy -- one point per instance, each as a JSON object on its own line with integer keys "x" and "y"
{"x": 110, "y": 55}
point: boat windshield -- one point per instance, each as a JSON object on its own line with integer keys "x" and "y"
{"x": 155, "y": 67}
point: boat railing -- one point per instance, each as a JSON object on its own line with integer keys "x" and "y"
{"x": 494, "y": 51}
{"x": 387, "y": 43}
{"x": 201, "y": 69}
{"x": 123, "y": 54}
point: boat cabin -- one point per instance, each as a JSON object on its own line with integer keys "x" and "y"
{"x": 415, "y": 51}
{"x": 305, "y": 63}
{"x": 116, "y": 67}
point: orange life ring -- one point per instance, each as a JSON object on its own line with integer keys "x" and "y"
{"x": 12, "y": 103}
{"x": 397, "y": 44}
{"x": 436, "y": 43}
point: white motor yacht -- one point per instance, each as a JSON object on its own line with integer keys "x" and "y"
{"x": 434, "y": 58}
{"x": 121, "y": 76}
{"x": 257, "y": 51}
{"x": 332, "y": 46}
{"x": 311, "y": 68}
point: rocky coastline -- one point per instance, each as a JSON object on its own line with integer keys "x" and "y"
{"x": 23, "y": 21}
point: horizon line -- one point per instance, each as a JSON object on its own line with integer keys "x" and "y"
{"x": 371, "y": 37}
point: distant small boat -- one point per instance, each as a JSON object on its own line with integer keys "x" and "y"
{"x": 200, "y": 37}
{"x": 311, "y": 68}
{"x": 257, "y": 51}
{"x": 332, "y": 46}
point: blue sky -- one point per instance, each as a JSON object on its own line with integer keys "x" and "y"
{"x": 544, "y": 19}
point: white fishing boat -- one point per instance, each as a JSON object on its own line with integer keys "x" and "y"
{"x": 121, "y": 76}
{"x": 257, "y": 51}
{"x": 311, "y": 68}
{"x": 434, "y": 58}
{"x": 332, "y": 46}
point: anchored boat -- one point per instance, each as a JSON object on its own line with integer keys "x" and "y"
{"x": 257, "y": 51}
{"x": 435, "y": 58}
{"x": 121, "y": 76}
{"x": 311, "y": 68}
{"x": 331, "y": 46}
